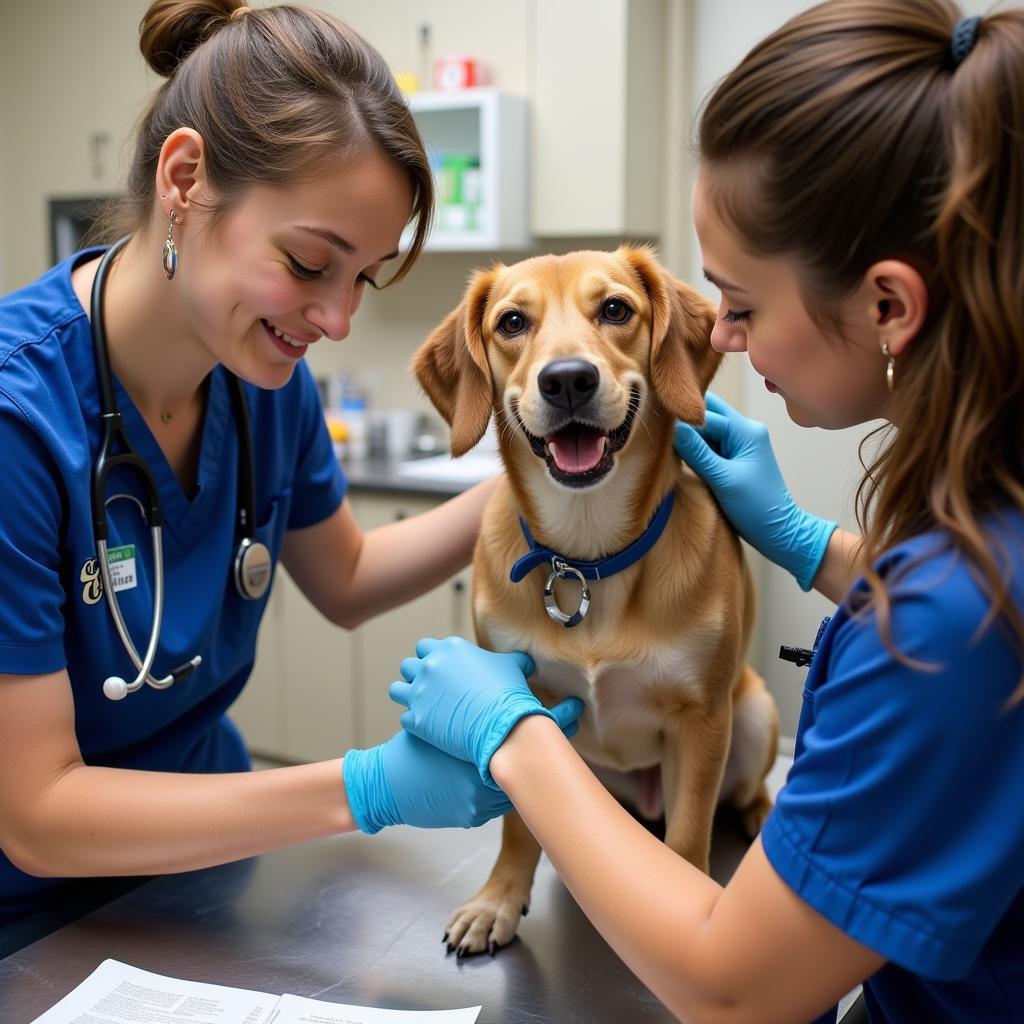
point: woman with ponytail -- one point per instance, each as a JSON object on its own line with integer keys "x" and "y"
{"x": 273, "y": 175}
{"x": 860, "y": 206}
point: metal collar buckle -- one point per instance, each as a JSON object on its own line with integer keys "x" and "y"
{"x": 559, "y": 571}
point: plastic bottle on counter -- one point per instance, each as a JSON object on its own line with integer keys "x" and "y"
{"x": 355, "y": 416}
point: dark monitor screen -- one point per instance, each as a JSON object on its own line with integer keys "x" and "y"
{"x": 70, "y": 220}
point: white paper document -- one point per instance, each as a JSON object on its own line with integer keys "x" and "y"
{"x": 117, "y": 993}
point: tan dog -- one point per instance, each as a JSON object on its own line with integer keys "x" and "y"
{"x": 586, "y": 361}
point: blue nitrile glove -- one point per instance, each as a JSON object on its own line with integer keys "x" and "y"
{"x": 746, "y": 480}
{"x": 408, "y": 782}
{"x": 465, "y": 700}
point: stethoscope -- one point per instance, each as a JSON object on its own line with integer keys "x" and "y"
{"x": 251, "y": 566}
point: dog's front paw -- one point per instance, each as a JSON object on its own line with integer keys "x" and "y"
{"x": 489, "y": 920}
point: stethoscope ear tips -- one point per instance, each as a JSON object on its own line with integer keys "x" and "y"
{"x": 115, "y": 688}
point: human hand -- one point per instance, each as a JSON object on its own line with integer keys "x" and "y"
{"x": 465, "y": 700}
{"x": 745, "y": 478}
{"x": 408, "y": 782}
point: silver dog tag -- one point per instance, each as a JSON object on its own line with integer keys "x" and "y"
{"x": 560, "y": 571}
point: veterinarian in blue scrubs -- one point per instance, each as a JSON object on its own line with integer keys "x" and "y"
{"x": 860, "y": 206}
{"x": 252, "y": 236}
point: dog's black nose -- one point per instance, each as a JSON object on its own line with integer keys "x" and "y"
{"x": 568, "y": 383}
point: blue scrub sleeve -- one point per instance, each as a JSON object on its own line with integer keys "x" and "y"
{"x": 319, "y": 485}
{"x": 31, "y": 515}
{"x": 900, "y": 820}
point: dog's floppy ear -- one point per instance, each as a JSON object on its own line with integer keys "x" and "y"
{"x": 682, "y": 359}
{"x": 451, "y": 366}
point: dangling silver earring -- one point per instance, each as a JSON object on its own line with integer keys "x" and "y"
{"x": 890, "y": 368}
{"x": 170, "y": 257}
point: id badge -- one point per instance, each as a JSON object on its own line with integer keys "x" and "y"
{"x": 121, "y": 563}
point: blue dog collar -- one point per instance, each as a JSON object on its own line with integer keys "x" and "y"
{"x": 602, "y": 568}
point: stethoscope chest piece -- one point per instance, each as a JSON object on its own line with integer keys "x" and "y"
{"x": 252, "y": 569}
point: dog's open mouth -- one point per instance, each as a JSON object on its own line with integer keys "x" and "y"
{"x": 579, "y": 454}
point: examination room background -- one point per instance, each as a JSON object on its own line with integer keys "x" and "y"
{"x": 72, "y": 82}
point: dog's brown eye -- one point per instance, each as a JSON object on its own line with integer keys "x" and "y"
{"x": 615, "y": 311}
{"x": 512, "y": 323}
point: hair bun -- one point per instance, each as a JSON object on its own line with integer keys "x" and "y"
{"x": 171, "y": 29}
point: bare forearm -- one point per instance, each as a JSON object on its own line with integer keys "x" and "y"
{"x": 651, "y": 906}
{"x": 753, "y": 951}
{"x": 402, "y": 560}
{"x": 108, "y": 821}
{"x": 838, "y": 568}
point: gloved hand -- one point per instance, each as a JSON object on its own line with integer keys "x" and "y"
{"x": 465, "y": 700}
{"x": 746, "y": 480}
{"x": 408, "y": 782}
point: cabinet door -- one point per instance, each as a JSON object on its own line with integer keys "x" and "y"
{"x": 382, "y": 643}
{"x": 318, "y": 718}
{"x": 259, "y": 710}
{"x": 297, "y": 705}
{"x": 596, "y": 118}
{"x": 386, "y": 640}
{"x": 122, "y": 85}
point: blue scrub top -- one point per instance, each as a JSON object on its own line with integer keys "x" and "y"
{"x": 53, "y": 613}
{"x": 902, "y": 820}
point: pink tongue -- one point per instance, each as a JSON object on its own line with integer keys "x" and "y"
{"x": 578, "y": 452}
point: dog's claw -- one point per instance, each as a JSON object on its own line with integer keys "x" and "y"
{"x": 492, "y": 947}
{"x": 445, "y": 939}
{"x": 461, "y": 952}
{"x": 451, "y": 948}
{"x": 526, "y": 910}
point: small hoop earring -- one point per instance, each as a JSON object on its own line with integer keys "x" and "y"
{"x": 170, "y": 254}
{"x": 890, "y": 368}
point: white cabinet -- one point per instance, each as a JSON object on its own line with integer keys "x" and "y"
{"x": 598, "y": 106}
{"x": 317, "y": 690}
{"x": 297, "y": 704}
{"x": 73, "y": 84}
{"x": 478, "y": 143}
{"x": 259, "y": 709}
{"x": 382, "y": 642}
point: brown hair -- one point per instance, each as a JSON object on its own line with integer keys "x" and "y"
{"x": 277, "y": 94}
{"x": 851, "y": 135}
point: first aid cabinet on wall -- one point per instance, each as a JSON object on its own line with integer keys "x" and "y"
{"x": 477, "y": 140}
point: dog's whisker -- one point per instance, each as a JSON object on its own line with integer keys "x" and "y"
{"x": 507, "y": 429}
{"x": 640, "y": 419}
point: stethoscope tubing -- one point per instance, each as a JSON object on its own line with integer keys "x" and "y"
{"x": 252, "y": 566}
{"x": 106, "y": 460}
{"x": 142, "y": 666}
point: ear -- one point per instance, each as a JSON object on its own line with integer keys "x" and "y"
{"x": 898, "y": 300}
{"x": 682, "y": 359}
{"x": 180, "y": 170}
{"x": 451, "y": 366}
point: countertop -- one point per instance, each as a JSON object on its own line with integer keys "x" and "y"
{"x": 432, "y": 475}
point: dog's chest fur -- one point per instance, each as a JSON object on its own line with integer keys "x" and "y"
{"x": 627, "y": 698}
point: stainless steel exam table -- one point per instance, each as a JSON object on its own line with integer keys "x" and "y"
{"x": 353, "y": 919}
